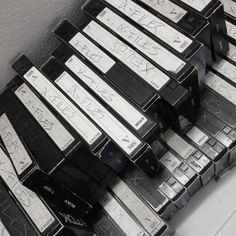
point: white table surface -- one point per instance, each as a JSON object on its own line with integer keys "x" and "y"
{"x": 211, "y": 212}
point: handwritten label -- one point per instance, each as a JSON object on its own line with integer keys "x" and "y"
{"x": 231, "y": 29}
{"x": 170, "y": 161}
{"x": 147, "y": 71}
{"x": 14, "y": 146}
{"x": 3, "y": 230}
{"x": 94, "y": 54}
{"x": 151, "y": 222}
{"x": 52, "y": 126}
{"x": 229, "y": 7}
{"x": 153, "y": 24}
{"x": 221, "y": 87}
{"x": 226, "y": 69}
{"x": 111, "y": 126}
{"x": 178, "y": 144}
{"x": 197, "y": 136}
{"x": 198, "y": 5}
{"x": 33, "y": 206}
{"x": 107, "y": 93}
{"x": 141, "y": 41}
{"x": 167, "y": 8}
{"x": 120, "y": 216}
{"x": 63, "y": 106}
{"x": 232, "y": 52}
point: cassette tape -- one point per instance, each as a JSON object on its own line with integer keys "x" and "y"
{"x": 86, "y": 117}
{"x": 104, "y": 226}
{"x": 141, "y": 213}
{"x": 207, "y": 144}
{"x": 219, "y": 101}
{"x": 146, "y": 190}
{"x": 41, "y": 217}
{"x": 144, "y": 84}
{"x": 213, "y": 12}
{"x": 33, "y": 177}
{"x": 231, "y": 55}
{"x": 190, "y": 155}
{"x": 189, "y": 21}
{"x": 181, "y": 172}
{"x": 177, "y": 183}
{"x": 219, "y": 130}
{"x": 230, "y": 9}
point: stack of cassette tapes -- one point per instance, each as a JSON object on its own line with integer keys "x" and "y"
{"x": 131, "y": 115}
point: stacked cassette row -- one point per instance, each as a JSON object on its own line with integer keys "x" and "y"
{"x": 121, "y": 126}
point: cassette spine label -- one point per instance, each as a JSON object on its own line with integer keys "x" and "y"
{"x": 57, "y": 132}
{"x": 221, "y": 87}
{"x": 3, "y": 230}
{"x": 120, "y": 216}
{"x": 92, "y": 53}
{"x": 229, "y": 7}
{"x": 14, "y": 146}
{"x": 231, "y": 29}
{"x": 226, "y": 69}
{"x": 231, "y": 53}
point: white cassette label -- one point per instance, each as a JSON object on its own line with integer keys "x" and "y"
{"x": 30, "y": 202}
{"x": 170, "y": 161}
{"x": 178, "y": 144}
{"x": 147, "y": 71}
{"x": 197, "y": 136}
{"x": 141, "y": 41}
{"x": 198, "y": 5}
{"x": 221, "y": 87}
{"x": 3, "y": 230}
{"x": 90, "y": 51}
{"x": 226, "y": 69}
{"x": 229, "y": 7}
{"x": 167, "y": 8}
{"x": 120, "y": 216}
{"x": 100, "y": 115}
{"x": 14, "y": 146}
{"x": 151, "y": 222}
{"x": 232, "y": 52}
{"x": 107, "y": 93}
{"x": 64, "y": 107}
{"x": 151, "y": 23}
{"x": 52, "y": 126}
{"x": 231, "y": 29}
